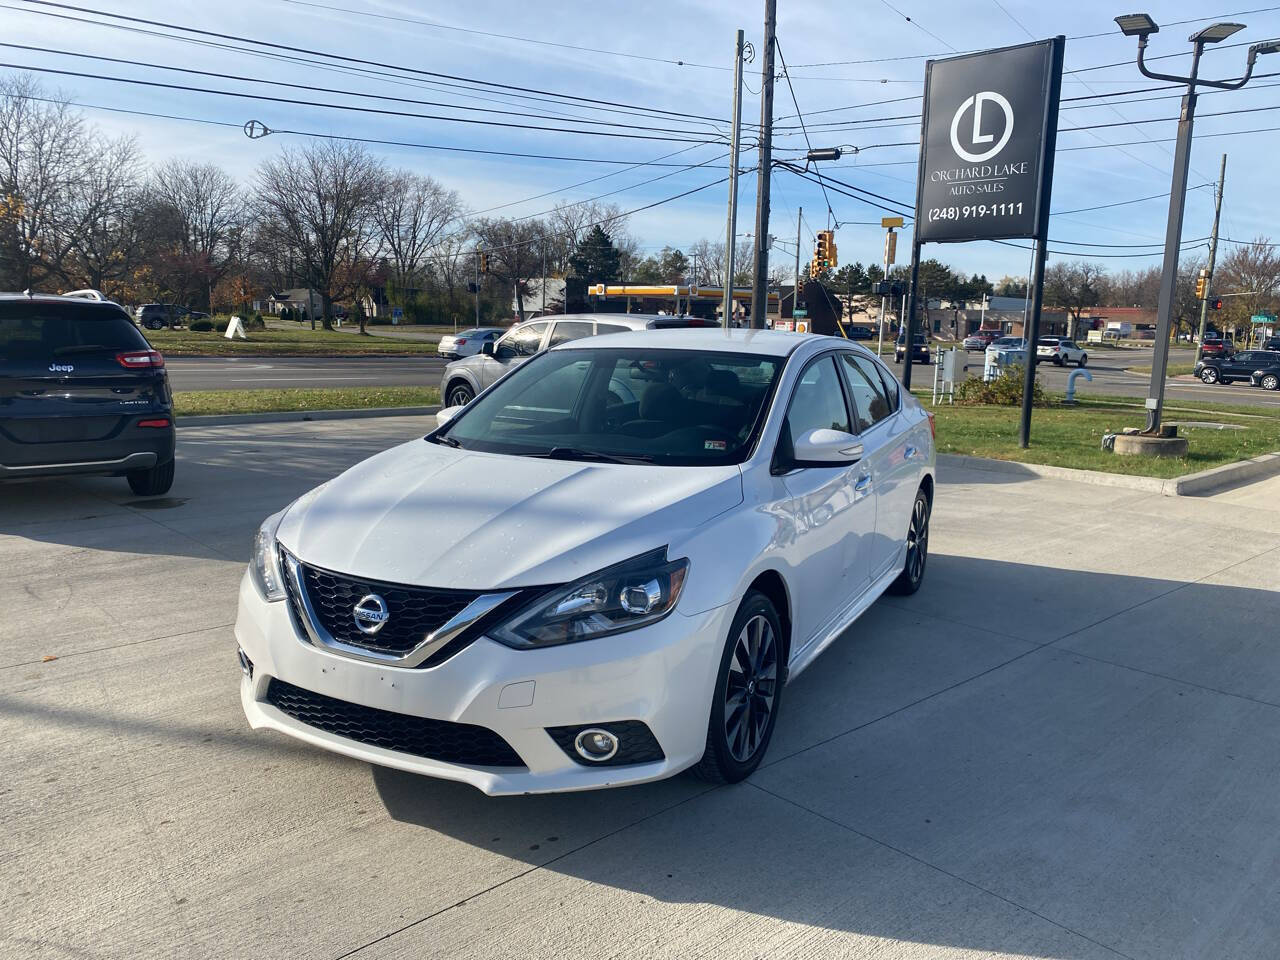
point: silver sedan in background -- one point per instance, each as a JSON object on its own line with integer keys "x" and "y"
{"x": 466, "y": 343}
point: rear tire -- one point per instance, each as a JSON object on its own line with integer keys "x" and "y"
{"x": 153, "y": 482}
{"x": 913, "y": 566}
{"x": 1084, "y": 358}
{"x": 748, "y": 691}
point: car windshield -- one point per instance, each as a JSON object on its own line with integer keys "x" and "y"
{"x": 671, "y": 407}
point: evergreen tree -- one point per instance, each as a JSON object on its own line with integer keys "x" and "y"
{"x": 596, "y": 260}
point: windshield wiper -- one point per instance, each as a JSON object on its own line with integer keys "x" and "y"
{"x": 446, "y": 440}
{"x": 573, "y": 453}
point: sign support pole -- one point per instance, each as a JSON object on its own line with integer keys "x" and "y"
{"x": 908, "y": 324}
{"x": 731, "y": 230}
{"x": 1213, "y": 254}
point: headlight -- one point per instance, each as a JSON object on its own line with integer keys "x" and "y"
{"x": 623, "y": 597}
{"x": 264, "y": 564}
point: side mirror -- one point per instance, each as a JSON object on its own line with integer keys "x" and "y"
{"x": 826, "y": 448}
{"x": 487, "y": 348}
{"x": 445, "y": 415}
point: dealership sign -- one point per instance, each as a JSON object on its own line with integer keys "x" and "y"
{"x": 986, "y": 164}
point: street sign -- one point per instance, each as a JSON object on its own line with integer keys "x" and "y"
{"x": 890, "y": 248}
{"x": 985, "y": 135}
{"x": 1262, "y": 318}
{"x": 397, "y": 314}
{"x": 889, "y": 222}
{"x": 798, "y": 314}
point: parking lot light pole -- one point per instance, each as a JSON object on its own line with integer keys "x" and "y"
{"x": 1141, "y": 25}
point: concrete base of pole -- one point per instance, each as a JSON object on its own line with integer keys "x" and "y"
{"x": 1140, "y": 445}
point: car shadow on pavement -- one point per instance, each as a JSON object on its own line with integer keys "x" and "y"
{"x": 1034, "y": 782}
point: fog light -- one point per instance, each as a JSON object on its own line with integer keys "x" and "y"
{"x": 246, "y": 665}
{"x": 595, "y": 745}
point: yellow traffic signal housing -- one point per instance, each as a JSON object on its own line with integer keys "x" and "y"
{"x": 484, "y": 262}
{"x": 1202, "y": 284}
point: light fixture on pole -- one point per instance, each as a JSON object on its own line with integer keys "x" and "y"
{"x": 1141, "y": 25}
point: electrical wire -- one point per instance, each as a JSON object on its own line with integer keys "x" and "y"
{"x": 347, "y": 107}
{"x": 502, "y": 36}
{"x": 919, "y": 26}
{"x": 357, "y": 60}
{"x": 778, "y": 46}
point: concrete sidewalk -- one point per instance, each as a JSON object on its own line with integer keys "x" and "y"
{"x": 1066, "y": 745}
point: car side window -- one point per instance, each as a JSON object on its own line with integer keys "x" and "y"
{"x": 818, "y": 401}
{"x": 870, "y": 403}
{"x": 566, "y": 330}
{"x": 603, "y": 328}
{"x": 523, "y": 342}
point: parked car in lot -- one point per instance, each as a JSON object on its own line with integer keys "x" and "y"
{"x": 464, "y": 379}
{"x": 1008, "y": 351}
{"x": 611, "y": 591}
{"x": 465, "y": 343}
{"x": 1238, "y": 366}
{"x": 81, "y": 391}
{"x": 1271, "y": 343}
{"x": 157, "y": 316}
{"x": 1217, "y": 347}
{"x": 980, "y": 339}
{"x": 919, "y": 352}
{"x": 860, "y": 332}
{"x": 1061, "y": 351}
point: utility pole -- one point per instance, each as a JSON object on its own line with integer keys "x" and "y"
{"x": 795, "y": 294}
{"x": 455, "y": 325}
{"x": 731, "y": 230}
{"x": 1213, "y": 254}
{"x": 544, "y": 277}
{"x": 760, "y": 279}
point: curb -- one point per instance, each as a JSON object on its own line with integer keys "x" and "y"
{"x": 299, "y": 416}
{"x": 1192, "y": 484}
{"x": 425, "y": 355}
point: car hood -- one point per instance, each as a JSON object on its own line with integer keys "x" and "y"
{"x": 427, "y": 514}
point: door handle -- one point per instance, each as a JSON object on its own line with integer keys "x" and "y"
{"x": 910, "y": 453}
{"x": 863, "y": 484}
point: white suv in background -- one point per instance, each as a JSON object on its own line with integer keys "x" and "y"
{"x": 1061, "y": 351}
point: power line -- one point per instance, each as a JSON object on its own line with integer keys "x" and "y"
{"x": 918, "y": 25}
{"x": 787, "y": 75}
{"x": 348, "y": 107}
{"x": 315, "y": 89}
{"x": 502, "y": 36}
{"x": 1122, "y": 203}
{"x": 345, "y": 59}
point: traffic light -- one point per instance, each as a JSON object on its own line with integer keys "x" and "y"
{"x": 484, "y": 261}
{"x": 1215, "y": 303}
{"x": 831, "y": 250}
{"x": 1202, "y": 283}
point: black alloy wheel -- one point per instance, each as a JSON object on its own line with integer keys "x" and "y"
{"x": 912, "y": 575}
{"x": 748, "y": 689}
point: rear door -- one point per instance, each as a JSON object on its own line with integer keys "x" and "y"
{"x": 62, "y": 380}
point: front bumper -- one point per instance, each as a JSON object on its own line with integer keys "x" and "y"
{"x": 662, "y": 675}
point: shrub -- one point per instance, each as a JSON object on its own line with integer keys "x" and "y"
{"x": 255, "y": 322}
{"x": 220, "y": 325}
{"x": 202, "y": 325}
{"x": 1004, "y": 391}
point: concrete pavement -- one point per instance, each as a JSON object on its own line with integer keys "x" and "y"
{"x": 1067, "y": 745}
{"x": 256, "y": 373}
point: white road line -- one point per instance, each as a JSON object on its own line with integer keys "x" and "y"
{"x": 283, "y": 379}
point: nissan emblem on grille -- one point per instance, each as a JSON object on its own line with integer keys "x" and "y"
{"x": 370, "y": 613}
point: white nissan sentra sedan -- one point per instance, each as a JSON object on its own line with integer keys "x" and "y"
{"x": 601, "y": 571}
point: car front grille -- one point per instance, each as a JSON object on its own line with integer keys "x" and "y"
{"x": 413, "y": 613}
{"x": 443, "y": 740}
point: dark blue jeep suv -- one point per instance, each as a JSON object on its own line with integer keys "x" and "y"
{"x": 81, "y": 391}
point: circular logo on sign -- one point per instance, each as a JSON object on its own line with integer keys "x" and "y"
{"x": 979, "y": 138}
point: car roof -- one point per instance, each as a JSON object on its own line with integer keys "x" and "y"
{"x": 765, "y": 343}
{"x": 636, "y": 321}
{"x": 57, "y": 298}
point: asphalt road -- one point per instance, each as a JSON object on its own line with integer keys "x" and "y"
{"x": 1064, "y": 746}
{"x": 248, "y": 373}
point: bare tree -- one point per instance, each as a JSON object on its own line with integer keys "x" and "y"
{"x": 208, "y": 212}
{"x": 412, "y": 212}
{"x": 320, "y": 199}
{"x": 570, "y": 222}
{"x": 42, "y": 156}
{"x": 100, "y": 219}
{"x": 513, "y": 250}
{"x": 453, "y": 266}
{"x": 1073, "y": 286}
{"x": 1253, "y": 271}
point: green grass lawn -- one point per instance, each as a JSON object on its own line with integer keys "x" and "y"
{"x": 198, "y": 402}
{"x": 1173, "y": 370}
{"x": 1072, "y": 436}
{"x": 302, "y": 342}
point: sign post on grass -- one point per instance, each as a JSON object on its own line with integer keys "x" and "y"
{"x": 988, "y": 133}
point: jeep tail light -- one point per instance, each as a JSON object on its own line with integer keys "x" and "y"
{"x": 460, "y": 341}
{"x": 140, "y": 360}
{"x": 155, "y": 422}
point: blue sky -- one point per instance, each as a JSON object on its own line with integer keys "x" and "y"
{"x": 701, "y": 35}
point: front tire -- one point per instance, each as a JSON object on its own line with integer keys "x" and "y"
{"x": 460, "y": 394}
{"x": 912, "y": 574}
{"x": 1209, "y": 375}
{"x": 1270, "y": 382}
{"x": 744, "y": 705}
{"x": 152, "y": 482}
